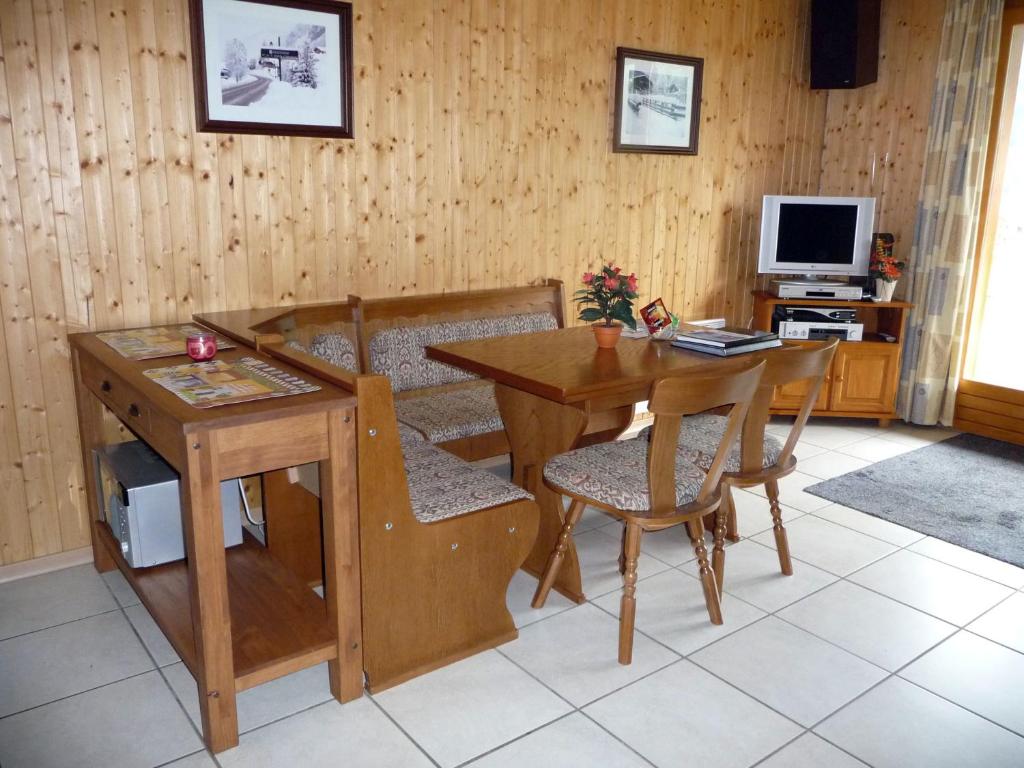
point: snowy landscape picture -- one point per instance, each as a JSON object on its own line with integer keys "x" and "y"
{"x": 272, "y": 68}
{"x": 657, "y": 106}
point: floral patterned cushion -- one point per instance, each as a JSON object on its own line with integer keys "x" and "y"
{"x": 336, "y": 349}
{"x": 398, "y": 352}
{"x": 442, "y": 416}
{"x": 442, "y": 486}
{"x": 616, "y": 474}
{"x": 700, "y": 436}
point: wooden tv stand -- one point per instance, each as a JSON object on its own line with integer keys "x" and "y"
{"x": 864, "y": 376}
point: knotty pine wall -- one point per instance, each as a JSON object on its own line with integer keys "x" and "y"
{"x": 481, "y": 159}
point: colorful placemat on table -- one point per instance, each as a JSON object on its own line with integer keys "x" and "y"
{"x": 159, "y": 341}
{"x": 217, "y": 382}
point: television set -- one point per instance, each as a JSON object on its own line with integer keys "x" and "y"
{"x": 816, "y": 236}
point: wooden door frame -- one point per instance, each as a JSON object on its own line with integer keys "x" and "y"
{"x": 1013, "y": 15}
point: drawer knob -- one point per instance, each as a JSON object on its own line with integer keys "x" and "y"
{"x": 105, "y": 386}
{"x": 133, "y": 410}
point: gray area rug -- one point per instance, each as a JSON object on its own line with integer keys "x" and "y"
{"x": 966, "y": 490}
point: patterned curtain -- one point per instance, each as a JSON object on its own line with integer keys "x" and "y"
{"x": 946, "y": 228}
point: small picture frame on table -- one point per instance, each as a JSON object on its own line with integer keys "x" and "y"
{"x": 274, "y": 67}
{"x": 657, "y": 102}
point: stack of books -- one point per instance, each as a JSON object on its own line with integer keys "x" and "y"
{"x": 726, "y": 342}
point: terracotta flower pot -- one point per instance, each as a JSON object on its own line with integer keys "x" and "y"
{"x": 607, "y": 336}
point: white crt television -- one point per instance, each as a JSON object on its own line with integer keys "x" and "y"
{"x": 816, "y": 235}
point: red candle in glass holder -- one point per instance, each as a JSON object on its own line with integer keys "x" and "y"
{"x": 201, "y": 346}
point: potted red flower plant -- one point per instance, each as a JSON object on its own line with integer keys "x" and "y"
{"x": 608, "y": 298}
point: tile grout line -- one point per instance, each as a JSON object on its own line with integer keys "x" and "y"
{"x": 401, "y": 730}
{"x": 61, "y": 623}
{"x": 160, "y": 671}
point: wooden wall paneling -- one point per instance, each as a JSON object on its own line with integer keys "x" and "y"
{"x": 62, "y": 149}
{"x": 27, "y": 402}
{"x": 325, "y": 248}
{"x": 210, "y": 244}
{"x": 119, "y": 113}
{"x": 145, "y": 93}
{"x": 15, "y": 523}
{"x": 257, "y": 219}
{"x": 39, "y": 281}
{"x": 15, "y": 531}
{"x": 408, "y": 166}
{"x": 177, "y": 111}
{"x": 365, "y": 76}
{"x": 232, "y": 238}
{"x": 106, "y": 310}
{"x": 423, "y": 120}
{"x": 302, "y": 190}
{"x": 282, "y": 234}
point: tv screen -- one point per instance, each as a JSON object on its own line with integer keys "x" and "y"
{"x": 816, "y": 234}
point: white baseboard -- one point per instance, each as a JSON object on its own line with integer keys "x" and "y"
{"x": 45, "y": 564}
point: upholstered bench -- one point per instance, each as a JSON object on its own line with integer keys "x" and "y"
{"x": 441, "y": 414}
{"x": 441, "y": 486}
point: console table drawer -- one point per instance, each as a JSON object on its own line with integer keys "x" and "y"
{"x": 127, "y": 403}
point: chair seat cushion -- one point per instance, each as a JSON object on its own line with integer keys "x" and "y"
{"x": 451, "y": 415}
{"x": 443, "y": 486}
{"x": 700, "y": 436}
{"x": 615, "y": 474}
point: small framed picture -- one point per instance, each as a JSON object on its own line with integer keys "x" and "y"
{"x": 279, "y": 67}
{"x": 657, "y": 102}
{"x": 655, "y": 316}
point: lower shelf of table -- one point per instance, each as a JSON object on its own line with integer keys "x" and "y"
{"x": 278, "y": 624}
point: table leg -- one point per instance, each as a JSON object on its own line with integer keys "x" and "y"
{"x": 537, "y": 430}
{"x": 208, "y": 585}
{"x": 341, "y": 554}
{"x": 90, "y": 430}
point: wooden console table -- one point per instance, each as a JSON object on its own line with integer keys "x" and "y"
{"x": 236, "y": 617}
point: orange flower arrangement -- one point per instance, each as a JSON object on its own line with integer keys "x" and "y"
{"x": 885, "y": 266}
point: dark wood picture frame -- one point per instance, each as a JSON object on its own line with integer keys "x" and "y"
{"x": 204, "y": 123}
{"x": 696, "y": 64}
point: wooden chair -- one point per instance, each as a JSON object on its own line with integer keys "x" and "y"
{"x": 760, "y": 458}
{"x": 763, "y": 458}
{"x": 651, "y": 485}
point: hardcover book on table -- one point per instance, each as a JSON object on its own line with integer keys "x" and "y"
{"x": 726, "y": 338}
{"x": 728, "y": 351}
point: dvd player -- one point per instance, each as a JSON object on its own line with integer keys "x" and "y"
{"x": 821, "y": 330}
{"x": 816, "y": 289}
{"x": 814, "y": 314}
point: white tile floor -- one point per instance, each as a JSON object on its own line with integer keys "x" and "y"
{"x": 886, "y": 648}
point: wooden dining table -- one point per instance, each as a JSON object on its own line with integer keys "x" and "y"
{"x": 550, "y": 386}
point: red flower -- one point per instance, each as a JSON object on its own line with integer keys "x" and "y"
{"x": 611, "y": 283}
{"x": 631, "y": 282}
{"x": 616, "y": 270}
{"x": 588, "y": 278}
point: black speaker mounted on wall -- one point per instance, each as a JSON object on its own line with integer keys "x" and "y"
{"x": 844, "y": 42}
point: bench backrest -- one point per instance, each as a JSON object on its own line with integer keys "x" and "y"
{"x": 399, "y": 353}
{"x": 419, "y": 321}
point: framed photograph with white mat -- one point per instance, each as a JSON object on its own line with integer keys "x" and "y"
{"x": 657, "y": 102}
{"x": 277, "y": 67}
